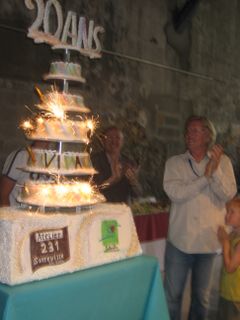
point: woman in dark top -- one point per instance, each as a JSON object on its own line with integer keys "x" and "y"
{"x": 117, "y": 175}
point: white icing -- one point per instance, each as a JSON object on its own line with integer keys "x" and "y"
{"x": 65, "y": 70}
{"x": 64, "y": 194}
{"x": 60, "y": 130}
{"x": 85, "y": 248}
{"x": 50, "y": 161}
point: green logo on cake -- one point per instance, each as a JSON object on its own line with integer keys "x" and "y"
{"x": 110, "y": 235}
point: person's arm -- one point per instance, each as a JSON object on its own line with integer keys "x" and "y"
{"x": 215, "y": 155}
{"x": 6, "y": 186}
{"x": 11, "y": 174}
{"x": 107, "y": 174}
{"x": 231, "y": 260}
{"x": 221, "y": 177}
{"x": 131, "y": 174}
{"x": 116, "y": 175}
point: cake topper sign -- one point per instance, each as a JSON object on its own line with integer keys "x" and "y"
{"x": 69, "y": 34}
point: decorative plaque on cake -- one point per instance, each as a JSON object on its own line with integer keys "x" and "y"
{"x": 49, "y": 247}
{"x": 109, "y": 230}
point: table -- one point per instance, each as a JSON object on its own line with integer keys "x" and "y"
{"x": 152, "y": 231}
{"x": 129, "y": 289}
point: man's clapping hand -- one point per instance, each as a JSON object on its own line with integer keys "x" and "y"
{"x": 215, "y": 155}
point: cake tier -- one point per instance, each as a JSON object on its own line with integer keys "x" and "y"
{"x": 53, "y": 129}
{"x": 65, "y": 70}
{"x": 66, "y": 163}
{"x": 36, "y": 246}
{"x": 66, "y": 194}
{"x": 56, "y": 101}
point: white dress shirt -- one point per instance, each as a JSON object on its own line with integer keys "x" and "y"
{"x": 197, "y": 202}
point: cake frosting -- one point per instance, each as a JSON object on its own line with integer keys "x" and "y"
{"x": 64, "y": 101}
{"x": 65, "y": 70}
{"x": 35, "y": 246}
{"x": 68, "y": 193}
{"x": 54, "y": 129}
{"x": 53, "y": 162}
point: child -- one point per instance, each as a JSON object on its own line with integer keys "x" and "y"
{"x": 229, "y": 303}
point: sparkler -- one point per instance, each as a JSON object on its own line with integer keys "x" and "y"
{"x": 65, "y": 193}
{"x": 54, "y": 123}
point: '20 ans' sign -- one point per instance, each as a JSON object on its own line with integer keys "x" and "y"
{"x": 71, "y": 35}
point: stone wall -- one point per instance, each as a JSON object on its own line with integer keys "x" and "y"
{"x": 150, "y": 78}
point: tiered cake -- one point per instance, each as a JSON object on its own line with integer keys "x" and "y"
{"x": 62, "y": 119}
{"x": 62, "y": 224}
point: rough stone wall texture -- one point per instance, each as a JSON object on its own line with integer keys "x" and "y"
{"x": 150, "y": 78}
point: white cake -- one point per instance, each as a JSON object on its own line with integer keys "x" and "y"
{"x": 54, "y": 129}
{"x": 55, "y": 100}
{"x": 66, "y": 163}
{"x": 59, "y": 194}
{"x": 36, "y": 246}
{"x": 65, "y": 70}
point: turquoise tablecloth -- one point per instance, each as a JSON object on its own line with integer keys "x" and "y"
{"x": 129, "y": 289}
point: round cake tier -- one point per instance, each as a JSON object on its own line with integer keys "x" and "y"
{"x": 53, "y": 129}
{"x": 62, "y": 102}
{"x": 66, "y": 194}
{"x": 52, "y": 162}
{"x": 65, "y": 71}
{"x": 73, "y": 172}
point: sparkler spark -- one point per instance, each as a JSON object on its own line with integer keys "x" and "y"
{"x": 27, "y": 125}
{"x": 65, "y": 193}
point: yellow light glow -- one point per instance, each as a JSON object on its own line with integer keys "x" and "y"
{"x": 86, "y": 189}
{"x": 56, "y": 109}
{"x": 62, "y": 189}
{"x": 54, "y": 104}
{"x": 40, "y": 120}
{"x": 27, "y": 125}
{"x": 39, "y": 93}
{"x": 90, "y": 124}
{"x": 45, "y": 191}
{"x": 63, "y": 194}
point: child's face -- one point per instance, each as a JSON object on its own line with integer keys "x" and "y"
{"x": 232, "y": 217}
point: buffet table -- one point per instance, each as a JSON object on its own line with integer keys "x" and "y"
{"x": 152, "y": 231}
{"x": 129, "y": 289}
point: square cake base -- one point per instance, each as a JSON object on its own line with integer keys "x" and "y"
{"x": 36, "y": 246}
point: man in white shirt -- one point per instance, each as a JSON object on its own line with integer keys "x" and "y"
{"x": 199, "y": 183}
